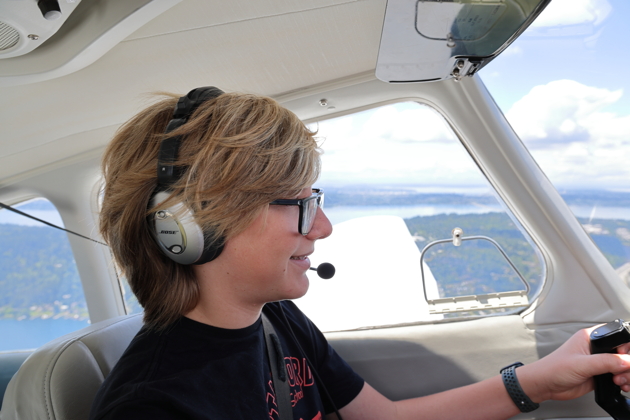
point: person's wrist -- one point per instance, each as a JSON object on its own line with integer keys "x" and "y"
{"x": 515, "y": 389}
{"x": 529, "y": 381}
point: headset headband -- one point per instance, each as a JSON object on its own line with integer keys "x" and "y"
{"x": 167, "y": 172}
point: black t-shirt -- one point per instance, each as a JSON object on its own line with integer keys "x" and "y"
{"x": 196, "y": 371}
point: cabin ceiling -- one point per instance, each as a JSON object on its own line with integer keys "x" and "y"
{"x": 268, "y": 47}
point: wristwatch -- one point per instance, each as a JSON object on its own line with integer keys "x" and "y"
{"x": 514, "y": 389}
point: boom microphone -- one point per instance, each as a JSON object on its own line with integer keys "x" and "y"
{"x": 325, "y": 270}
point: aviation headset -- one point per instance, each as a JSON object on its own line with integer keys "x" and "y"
{"x": 178, "y": 235}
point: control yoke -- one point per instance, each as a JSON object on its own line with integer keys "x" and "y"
{"x": 606, "y": 339}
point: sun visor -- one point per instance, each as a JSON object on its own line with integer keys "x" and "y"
{"x": 427, "y": 40}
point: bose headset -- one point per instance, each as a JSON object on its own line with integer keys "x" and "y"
{"x": 178, "y": 235}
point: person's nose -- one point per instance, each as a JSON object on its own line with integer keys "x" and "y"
{"x": 322, "y": 228}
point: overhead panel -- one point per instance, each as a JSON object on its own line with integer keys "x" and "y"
{"x": 26, "y": 25}
{"x": 72, "y": 42}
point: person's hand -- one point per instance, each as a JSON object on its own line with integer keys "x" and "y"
{"x": 567, "y": 372}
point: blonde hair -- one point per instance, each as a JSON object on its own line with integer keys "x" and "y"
{"x": 238, "y": 153}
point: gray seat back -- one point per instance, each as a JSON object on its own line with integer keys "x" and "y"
{"x": 60, "y": 379}
{"x": 10, "y": 362}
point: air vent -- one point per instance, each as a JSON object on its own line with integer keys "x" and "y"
{"x": 9, "y": 36}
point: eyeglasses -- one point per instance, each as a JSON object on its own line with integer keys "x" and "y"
{"x": 308, "y": 209}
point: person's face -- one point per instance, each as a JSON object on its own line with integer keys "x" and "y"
{"x": 269, "y": 259}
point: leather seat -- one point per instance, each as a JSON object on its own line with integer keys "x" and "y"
{"x": 60, "y": 379}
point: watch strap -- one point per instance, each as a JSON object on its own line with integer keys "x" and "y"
{"x": 514, "y": 390}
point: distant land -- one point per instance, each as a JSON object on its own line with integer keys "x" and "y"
{"x": 38, "y": 275}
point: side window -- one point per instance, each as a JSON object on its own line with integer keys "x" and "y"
{"x": 41, "y": 296}
{"x": 399, "y": 182}
{"x": 132, "y": 306}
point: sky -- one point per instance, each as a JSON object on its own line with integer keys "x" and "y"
{"x": 562, "y": 86}
{"x": 385, "y": 146}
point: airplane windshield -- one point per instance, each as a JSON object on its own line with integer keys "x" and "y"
{"x": 561, "y": 87}
{"x": 397, "y": 182}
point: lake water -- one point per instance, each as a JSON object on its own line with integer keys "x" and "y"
{"x": 601, "y": 212}
{"x": 338, "y": 214}
{"x": 30, "y": 334}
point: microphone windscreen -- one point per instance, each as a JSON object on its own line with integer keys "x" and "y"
{"x": 326, "y": 271}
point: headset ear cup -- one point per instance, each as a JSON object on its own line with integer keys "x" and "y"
{"x": 212, "y": 249}
{"x": 178, "y": 235}
{"x": 176, "y": 232}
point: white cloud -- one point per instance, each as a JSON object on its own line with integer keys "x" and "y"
{"x": 408, "y": 125}
{"x": 573, "y": 12}
{"x": 573, "y": 139}
{"x": 513, "y": 50}
{"x": 561, "y": 111}
{"x": 404, "y": 143}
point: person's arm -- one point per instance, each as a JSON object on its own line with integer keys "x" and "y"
{"x": 564, "y": 374}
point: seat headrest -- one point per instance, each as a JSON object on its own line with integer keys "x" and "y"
{"x": 60, "y": 379}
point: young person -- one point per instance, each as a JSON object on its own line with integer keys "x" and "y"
{"x": 235, "y": 172}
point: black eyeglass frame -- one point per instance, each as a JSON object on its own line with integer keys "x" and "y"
{"x": 316, "y": 194}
